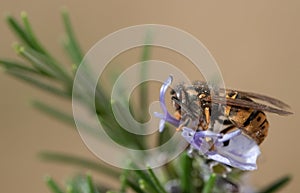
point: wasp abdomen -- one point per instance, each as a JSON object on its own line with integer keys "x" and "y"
{"x": 257, "y": 127}
{"x": 253, "y": 122}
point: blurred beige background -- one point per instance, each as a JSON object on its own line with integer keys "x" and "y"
{"x": 256, "y": 44}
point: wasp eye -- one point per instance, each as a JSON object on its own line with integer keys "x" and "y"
{"x": 172, "y": 92}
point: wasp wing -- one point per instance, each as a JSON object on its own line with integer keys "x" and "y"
{"x": 261, "y": 97}
{"x": 248, "y": 104}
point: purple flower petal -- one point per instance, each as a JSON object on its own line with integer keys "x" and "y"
{"x": 200, "y": 140}
{"x": 188, "y": 134}
{"x": 241, "y": 152}
{"x": 165, "y": 117}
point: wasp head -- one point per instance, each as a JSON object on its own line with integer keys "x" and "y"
{"x": 187, "y": 104}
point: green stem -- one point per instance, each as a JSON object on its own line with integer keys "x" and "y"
{"x": 144, "y": 88}
{"x": 90, "y": 183}
{"x": 209, "y": 185}
{"x": 186, "y": 177}
{"x": 155, "y": 181}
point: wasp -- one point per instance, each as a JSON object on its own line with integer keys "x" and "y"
{"x": 198, "y": 106}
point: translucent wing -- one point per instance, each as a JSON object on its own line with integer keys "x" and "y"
{"x": 248, "y": 104}
{"x": 261, "y": 97}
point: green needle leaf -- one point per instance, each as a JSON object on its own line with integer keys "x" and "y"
{"x": 186, "y": 177}
{"x": 156, "y": 182}
{"x": 144, "y": 88}
{"x": 90, "y": 183}
{"x": 53, "y": 112}
{"x": 166, "y": 135}
{"x": 17, "y": 66}
{"x": 209, "y": 185}
{"x": 145, "y": 181}
{"x": 170, "y": 170}
{"x": 76, "y": 160}
{"x": 34, "y": 51}
{"x": 123, "y": 182}
{"x": 38, "y": 83}
{"x": 134, "y": 186}
{"x": 31, "y": 36}
{"x": 70, "y": 189}
{"x": 52, "y": 185}
{"x": 43, "y": 63}
{"x": 35, "y": 61}
{"x": 145, "y": 186}
{"x": 71, "y": 43}
{"x": 18, "y": 30}
{"x": 275, "y": 186}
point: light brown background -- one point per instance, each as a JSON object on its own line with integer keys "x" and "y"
{"x": 256, "y": 44}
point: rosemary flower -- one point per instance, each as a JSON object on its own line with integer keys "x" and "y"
{"x": 165, "y": 117}
{"x": 241, "y": 152}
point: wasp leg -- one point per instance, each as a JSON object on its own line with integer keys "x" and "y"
{"x": 229, "y": 132}
{"x": 180, "y": 128}
{"x": 207, "y": 119}
{"x": 185, "y": 123}
{"x": 177, "y": 115}
{"x": 227, "y": 122}
{"x": 230, "y": 135}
